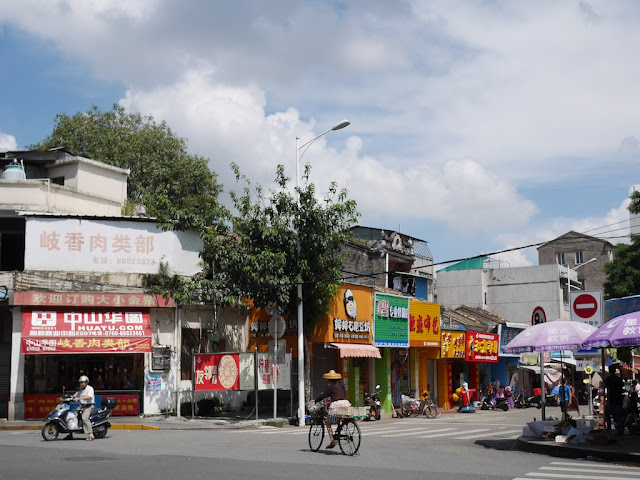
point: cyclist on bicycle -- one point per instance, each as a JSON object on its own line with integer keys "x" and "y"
{"x": 336, "y": 392}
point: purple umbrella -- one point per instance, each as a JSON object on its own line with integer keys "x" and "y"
{"x": 544, "y": 337}
{"x": 622, "y": 331}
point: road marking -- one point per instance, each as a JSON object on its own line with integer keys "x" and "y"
{"x": 597, "y": 465}
{"x": 490, "y": 434}
{"x": 581, "y": 476}
{"x": 411, "y": 432}
{"x": 457, "y": 432}
{"x": 561, "y": 469}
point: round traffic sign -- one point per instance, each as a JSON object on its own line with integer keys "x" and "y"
{"x": 585, "y": 305}
{"x": 538, "y": 316}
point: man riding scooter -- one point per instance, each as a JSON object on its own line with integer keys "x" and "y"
{"x": 86, "y": 397}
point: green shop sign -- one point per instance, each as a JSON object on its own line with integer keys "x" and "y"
{"x": 390, "y": 321}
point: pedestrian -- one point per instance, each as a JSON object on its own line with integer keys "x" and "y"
{"x": 573, "y": 405}
{"x": 613, "y": 394}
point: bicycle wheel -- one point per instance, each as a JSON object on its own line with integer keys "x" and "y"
{"x": 349, "y": 438}
{"x": 316, "y": 436}
{"x": 429, "y": 411}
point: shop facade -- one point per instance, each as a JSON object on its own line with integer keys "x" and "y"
{"x": 424, "y": 341}
{"x": 59, "y": 336}
{"x": 342, "y": 341}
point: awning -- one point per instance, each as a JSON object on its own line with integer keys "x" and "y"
{"x": 536, "y": 369}
{"x": 82, "y": 330}
{"x": 356, "y": 350}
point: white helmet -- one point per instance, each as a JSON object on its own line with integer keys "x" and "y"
{"x": 83, "y": 378}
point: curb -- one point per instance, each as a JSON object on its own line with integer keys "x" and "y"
{"x": 569, "y": 451}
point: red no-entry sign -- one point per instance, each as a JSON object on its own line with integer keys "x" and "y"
{"x": 585, "y": 307}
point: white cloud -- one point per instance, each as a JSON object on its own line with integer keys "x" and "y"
{"x": 7, "y": 142}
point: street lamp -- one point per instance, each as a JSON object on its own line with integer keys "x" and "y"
{"x": 300, "y": 151}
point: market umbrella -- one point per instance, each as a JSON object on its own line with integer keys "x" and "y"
{"x": 550, "y": 336}
{"x": 622, "y": 331}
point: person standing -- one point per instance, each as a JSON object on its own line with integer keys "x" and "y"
{"x": 86, "y": 396}
{"x": 613, "y": 409}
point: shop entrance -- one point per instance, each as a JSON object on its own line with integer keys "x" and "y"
{"x": 120, "y": 376}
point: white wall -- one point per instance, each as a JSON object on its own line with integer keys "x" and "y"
{"x": 511, "y": 293}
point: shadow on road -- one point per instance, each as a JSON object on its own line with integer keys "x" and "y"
{"x": 506, "y": 444}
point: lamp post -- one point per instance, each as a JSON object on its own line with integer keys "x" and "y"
{"x": 300, "y": 151}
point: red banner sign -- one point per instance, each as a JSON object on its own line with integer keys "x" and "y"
{"x": 88, "y": 299}
{"x": 217, "y": 371}
{"x": 482, "y": 347}
{"x": 85, "y": 331}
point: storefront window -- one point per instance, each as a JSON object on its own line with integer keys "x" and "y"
{"x": 53, "y": 373}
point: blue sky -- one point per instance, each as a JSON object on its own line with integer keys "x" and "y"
{"x": 476, "y": 126}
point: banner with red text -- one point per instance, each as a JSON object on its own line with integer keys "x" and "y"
{"x": 54, "y": 330}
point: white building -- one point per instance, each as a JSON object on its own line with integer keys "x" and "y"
{"x": 515, "y": 294}
{"x": 70, "y": 263}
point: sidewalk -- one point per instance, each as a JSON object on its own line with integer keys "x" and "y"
{"x": 160, "y": 422}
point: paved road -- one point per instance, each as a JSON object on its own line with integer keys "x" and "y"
{"x": 481, "y": 446}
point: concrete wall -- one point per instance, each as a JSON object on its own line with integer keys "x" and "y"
{"x": 511, "y": 293}
{"x": 39, "y": 196}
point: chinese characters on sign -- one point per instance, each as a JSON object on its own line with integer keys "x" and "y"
{"x": 108, "y": 246}
{"x": 85, "y": 331}
{"x": 452, "y": 344}
{"x": 391, "y": 321}
{"x": 217, "y": 371}
{"x": 424, "y": 324}
{"x": 482, "y": 347}
{"x": 88, "y": 299}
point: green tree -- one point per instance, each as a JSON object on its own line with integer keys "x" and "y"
{"x": 173, "y": 186}
{"x": 623, "y": 273}
{"x": 267, "y": 230}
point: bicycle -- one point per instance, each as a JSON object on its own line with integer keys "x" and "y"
{"x": 347, "y": 433}
{"x": 429, "y": 408}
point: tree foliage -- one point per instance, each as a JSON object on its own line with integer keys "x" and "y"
{"x": 623, "y": 273}
{"x": 269, "y": 226}
{"x": 173, "y": 186}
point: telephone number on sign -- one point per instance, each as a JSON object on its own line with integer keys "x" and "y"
{"x": 135, "y": 261}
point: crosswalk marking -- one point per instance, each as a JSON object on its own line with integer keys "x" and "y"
{"x": 454, "y": 433}
{"x": 507, "y": 433}
{"x": 419, "y": 429}
{"x": 583, "y": 470}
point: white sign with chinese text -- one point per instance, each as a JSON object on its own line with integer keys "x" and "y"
{"x": 283, "y": 372}
{"x": 109, "y": 246}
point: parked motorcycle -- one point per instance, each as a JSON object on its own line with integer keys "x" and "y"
{"x": 372, "y": 401}
{"x": 64, "y": 419}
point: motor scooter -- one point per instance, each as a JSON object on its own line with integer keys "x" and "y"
{"x": 64, "y": 418}
{"x": 490, "y": 402}
{"x": 372, "y": 401}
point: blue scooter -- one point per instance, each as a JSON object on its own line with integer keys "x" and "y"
{"x": 64, "y": 418}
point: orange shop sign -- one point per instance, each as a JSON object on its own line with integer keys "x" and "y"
{"x": 453, "y": 344}
{"x": 424, "y": 324}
